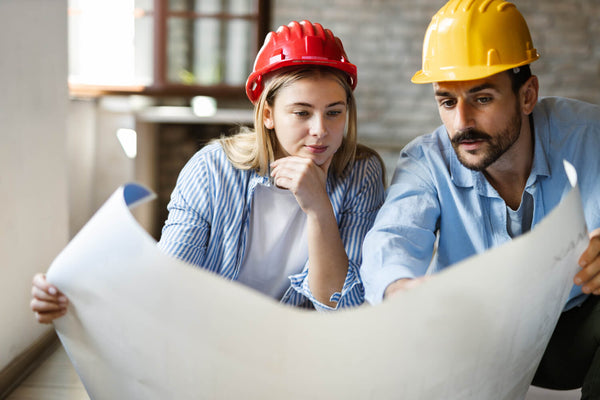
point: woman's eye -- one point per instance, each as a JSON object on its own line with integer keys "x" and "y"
{"x": 301, "y": 113}
{"x": 334, "y": 113}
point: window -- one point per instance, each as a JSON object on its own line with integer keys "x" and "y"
{"x": 164, "y": 47}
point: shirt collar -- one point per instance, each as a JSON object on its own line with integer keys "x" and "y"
{"x": 257, "y": 179}
{"x": 541, "y": 129}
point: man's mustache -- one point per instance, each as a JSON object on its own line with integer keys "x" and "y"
{"x": 471, "y": 134}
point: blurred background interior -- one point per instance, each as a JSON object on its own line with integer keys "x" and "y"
{"x": 99, "y": 93}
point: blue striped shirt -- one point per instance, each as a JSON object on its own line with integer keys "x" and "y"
{"x": 209, "y": 216}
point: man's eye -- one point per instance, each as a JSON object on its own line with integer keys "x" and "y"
{"x": 484, "y": 100}
{"x": 447, "y": 103}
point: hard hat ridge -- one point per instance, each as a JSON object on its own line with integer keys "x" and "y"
{"x": 295, "y": 44}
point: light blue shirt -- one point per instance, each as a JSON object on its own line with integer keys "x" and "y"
{"x": 433, "y": 193}
{"x": 209, "y": 219}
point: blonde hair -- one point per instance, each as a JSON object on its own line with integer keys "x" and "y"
{"x": 256, "y": 149}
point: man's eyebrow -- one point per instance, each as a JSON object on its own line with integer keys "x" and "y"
{"x": 483, "y": 86}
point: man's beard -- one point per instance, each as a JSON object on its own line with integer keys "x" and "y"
{"x": 496, "y": 146}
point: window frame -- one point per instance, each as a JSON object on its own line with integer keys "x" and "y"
{"x": 160, "y": 85}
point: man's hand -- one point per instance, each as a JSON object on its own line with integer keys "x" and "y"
{"x": 589, "y": 276}
{"x": 403, "y": 284}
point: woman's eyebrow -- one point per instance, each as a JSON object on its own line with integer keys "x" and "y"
{"x": 303, "y": 104}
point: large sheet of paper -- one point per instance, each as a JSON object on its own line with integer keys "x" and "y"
{"x": 142, "y": 325}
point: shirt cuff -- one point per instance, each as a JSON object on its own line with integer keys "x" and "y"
{"x": 376, "y": 284}
{"x": 300, "y": 284}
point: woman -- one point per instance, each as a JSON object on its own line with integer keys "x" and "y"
{"x": 282, "y": 208}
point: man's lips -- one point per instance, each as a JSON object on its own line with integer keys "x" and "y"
{"x": 470, "y": 140}
{"x": 470, "y": 144}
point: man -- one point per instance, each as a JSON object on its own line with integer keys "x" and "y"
{"x": 490, "y": 173}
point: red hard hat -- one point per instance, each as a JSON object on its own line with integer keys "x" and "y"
{"x": 294, "y": 44}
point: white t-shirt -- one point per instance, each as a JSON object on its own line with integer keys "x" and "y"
{"x": 277, "y": 244}
{"x": 519, "y": 221}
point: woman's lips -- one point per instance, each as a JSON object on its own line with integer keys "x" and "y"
{"x": 316, "y": 149}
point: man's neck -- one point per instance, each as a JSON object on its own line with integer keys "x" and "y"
{"x": 509, "y": 174}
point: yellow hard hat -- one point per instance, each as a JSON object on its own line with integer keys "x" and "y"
{"x": 473, "y": 39}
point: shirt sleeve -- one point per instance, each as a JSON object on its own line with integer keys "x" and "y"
{"x": 186, "y": 230}
{"x": 356, "y": 208}
{"x": 401, "y": 242}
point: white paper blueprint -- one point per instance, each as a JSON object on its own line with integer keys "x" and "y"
{"x": 142, "y": 325}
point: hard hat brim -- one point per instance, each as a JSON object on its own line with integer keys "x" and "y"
{"x": 466, "y": 74}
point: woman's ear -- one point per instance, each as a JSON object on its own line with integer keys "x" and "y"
{"x": 268, "y": 117}
{"x": 529, "y": 95}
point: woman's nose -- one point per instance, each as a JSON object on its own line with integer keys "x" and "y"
{"x": 318, "y": 126}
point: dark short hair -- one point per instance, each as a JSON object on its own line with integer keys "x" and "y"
{"x": 518, "y": 76}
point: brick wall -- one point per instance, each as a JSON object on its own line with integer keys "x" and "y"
{"x": 384, "y": 39}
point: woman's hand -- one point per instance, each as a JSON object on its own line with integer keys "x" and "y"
{"x": 305, "y": 179}
{"x": 328, "y": 262}
{"x": 47, "y": 302}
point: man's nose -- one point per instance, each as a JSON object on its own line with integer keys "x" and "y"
{"x": 463, "y": 116}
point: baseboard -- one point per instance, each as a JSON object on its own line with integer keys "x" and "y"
{"x": 15, "y": 372}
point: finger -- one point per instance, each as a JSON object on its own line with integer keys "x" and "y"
{"x": 283, "y": 182}
{"x": 290, "y": 162}
{"x": 281, "y": 162}
{"x": 40, "y": 306}
{"x": 399, "y": 286}
{"x": 592, "y": 286}
{"x": 299, "y": 181}
{"x": 299, "y": 168}
{"x": 39, "y": 281}
{"x": 589, "y": 261}
{"x": 285, "y": 170}
{"x": 277, "y": 171}
{"x": 290, "y": 171}
{"x": 592, "y": 252}
{"x": 46, "y": 318}
{"x": 589, "y": 277}
{"x": 39, "y": 294}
